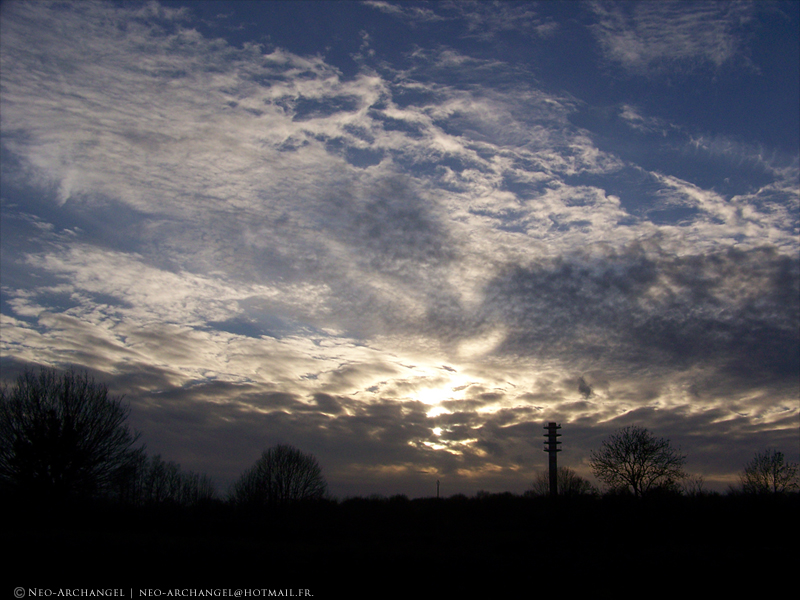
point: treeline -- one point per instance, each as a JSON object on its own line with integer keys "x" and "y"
{"x": 76, "y": 488}
{"x": 152, "y": 480}
{"x": 482, "y": 539}
{"x": 62, "y": 437}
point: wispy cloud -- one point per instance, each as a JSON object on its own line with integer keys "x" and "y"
{"x": 416, "y": 12}
{"x": 482, "y": 20}
{"x": 647, "y": 37}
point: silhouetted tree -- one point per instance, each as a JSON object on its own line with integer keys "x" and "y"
{"x": 61, "y": 434}
{"x": 196, "y": 488}
{"x": 283, "y": 474}
{"x": 693, "y": 486}
{"x": 154, "y": 481}
{"x": 769, "y": 473}
{"x": 569, "y": 484}
{"x": 632, "y": 458}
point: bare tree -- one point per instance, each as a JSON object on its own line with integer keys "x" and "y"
{"x": 154, "y": 481}
{"x": 769, "y": 473}
{"x": 160, "y": 481}
{"x": 61, "y": 434}
{"x": 569, "y": 484}
{"x": 634, "y": 459}
{"x": 693, "y": 486}
{"x": 283, "y": 474}
{"x": 196, "y": 488}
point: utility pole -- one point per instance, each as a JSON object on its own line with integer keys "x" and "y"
{"x": 551, "y": 447}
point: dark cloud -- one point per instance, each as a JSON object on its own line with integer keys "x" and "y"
{"x": 561, "y": 306}
{"x": 733, "y": 309}
{"x": 327, "y": 404}
{"x": 584, "y": 388}
{"x": 393, "y": 229}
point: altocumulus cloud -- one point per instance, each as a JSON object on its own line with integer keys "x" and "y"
{"x": 407, "y": 266}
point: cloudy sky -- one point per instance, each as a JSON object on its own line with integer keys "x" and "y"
{"x": 404, "y": 236}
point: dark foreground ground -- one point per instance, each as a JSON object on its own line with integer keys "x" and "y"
{"x": 494, "y": 546}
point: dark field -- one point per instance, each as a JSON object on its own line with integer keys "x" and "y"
{"x": 494, "y": 545}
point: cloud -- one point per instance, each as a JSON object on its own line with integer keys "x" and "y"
{"x": 486, "y": 21}
{"x": 736, "y": 310}
{"x": 584, "y": 388}
{"x": 650, "y": 37}
{"x": 481, "y": 20}
{"x": 412, "y": 13}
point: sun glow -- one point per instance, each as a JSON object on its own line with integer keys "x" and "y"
{"x": 442, "y": 386}
{"x": 456, "y": 447}
{"x": 438, "y": 410}
{"x": 432, "y": 395}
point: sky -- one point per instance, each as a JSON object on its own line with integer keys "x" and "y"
{"x": 404, "y": 236}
